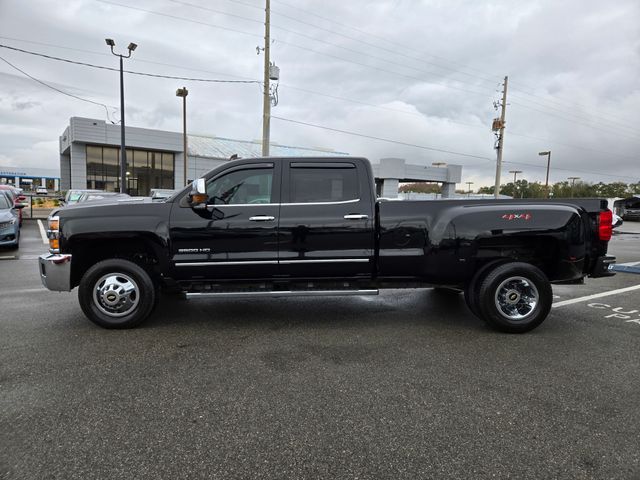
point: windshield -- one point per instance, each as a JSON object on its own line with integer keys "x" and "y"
{"x": 4, "y": 202}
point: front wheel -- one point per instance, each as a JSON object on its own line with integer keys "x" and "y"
{"x": 116, "y": 293}
{"x": 515, "y": 297}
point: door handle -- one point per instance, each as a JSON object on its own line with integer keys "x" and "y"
{"x": 262, "y": 218}
{"x": 355, "y": 216}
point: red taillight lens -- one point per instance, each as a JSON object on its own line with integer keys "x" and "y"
{"x": 605, "y": 228}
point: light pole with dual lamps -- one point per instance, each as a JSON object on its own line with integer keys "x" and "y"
{"x": 123, "y": 155}
{"x": 183, "y": 92}
{"x": 573, "y": 181}
{"x": 515, "y": 174}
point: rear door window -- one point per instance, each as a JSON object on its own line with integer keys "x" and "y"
{"x": 311, "y": 184}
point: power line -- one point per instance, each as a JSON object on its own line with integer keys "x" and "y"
{"x": 477, "y": 126}
{"x": 306, "y": 49}
{"x": 368, "y": 44}
{"x": 562, "y": 102}
{"x": 102, "y": 67}
{"x": 587, "y": 117}
{"x": 424, "y": 147}
{"x": 596, "y": 127}
{"x": 388, "y": 140}
{"x": 258, "y": 82}
{"x": 134, "y": 60}
{"x": 485, "y": 75}
{"x": 213, "y": 10}
{"x": 364, "y": 32}
{"x": 106, "y": 109}
{"x": 181, "y": 18}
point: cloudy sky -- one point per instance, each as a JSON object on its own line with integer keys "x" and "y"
{"x": 419, "y": 76}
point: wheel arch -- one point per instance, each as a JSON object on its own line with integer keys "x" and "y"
{"x": 142, "y": 249}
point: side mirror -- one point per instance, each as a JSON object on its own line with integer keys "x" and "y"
{"x": 198, "y": 196}
{"x": 19, "y": 206}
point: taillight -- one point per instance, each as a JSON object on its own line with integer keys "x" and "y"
{"x": 605, "y": 225}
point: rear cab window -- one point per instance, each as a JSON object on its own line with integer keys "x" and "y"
{"x": 323, "y": 182}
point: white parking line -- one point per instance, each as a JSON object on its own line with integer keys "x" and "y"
{"x": 8, "y": 257}
{"x": 596, "y": 295}
{"x": 629, "y": 264}
{"x": 43, "y": 233}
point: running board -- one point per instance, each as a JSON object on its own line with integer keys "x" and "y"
{"x": 281, "y": 293}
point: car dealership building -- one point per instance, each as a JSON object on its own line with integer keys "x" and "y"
{"x": 90, "y": 158}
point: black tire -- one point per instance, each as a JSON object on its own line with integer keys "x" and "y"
{"x": 472, "y": 290}
{"x": 117, "y": 293}
{"x": 515, "y": 297}
{"x": 472, "y": 297}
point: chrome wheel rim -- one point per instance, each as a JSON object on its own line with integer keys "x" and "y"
{"x": 116, "y": 294}
{"x": 516, "y": 298}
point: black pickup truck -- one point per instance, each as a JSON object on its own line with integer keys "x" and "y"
{"x": 313, "y": 226}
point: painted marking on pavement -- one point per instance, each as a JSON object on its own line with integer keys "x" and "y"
{"x": 8, "y": 257}
{"x": 596, "y": 295}
{"x": 629, "y": 264}
{"x": 43, "y": 233}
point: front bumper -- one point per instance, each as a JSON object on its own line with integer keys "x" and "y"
{"x": 55, "y": 272}
{"x": 604, "y": 267}
{"x": 9, "y": 234}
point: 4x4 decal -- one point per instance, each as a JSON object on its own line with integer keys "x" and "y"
{"x": 517, "y": 216}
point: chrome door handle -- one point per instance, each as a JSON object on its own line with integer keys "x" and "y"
{"x": 355, "y": 216}
{"x": 262, "y": 218}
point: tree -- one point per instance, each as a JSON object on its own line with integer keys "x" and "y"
{"x": 420, "y": 187}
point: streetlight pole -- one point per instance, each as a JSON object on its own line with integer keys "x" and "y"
{"x": 123, "y": 154}
{"x": 469, "y": 188}
{"x": 183, "y": 92}
{"x": 546, "y": 182}
{"x": 515, "y": 174}
{"x": 573, "y": 181}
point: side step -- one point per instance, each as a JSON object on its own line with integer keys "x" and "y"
{"x": 281, "y": 293}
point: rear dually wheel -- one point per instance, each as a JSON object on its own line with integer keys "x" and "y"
{"x": 514, "y": 297}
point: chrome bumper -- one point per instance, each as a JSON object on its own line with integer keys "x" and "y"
{"x": 55, "y": 272}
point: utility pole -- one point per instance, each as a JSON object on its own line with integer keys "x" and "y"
{"x": 498, "y": 125}
{"x": 266, "y": 99}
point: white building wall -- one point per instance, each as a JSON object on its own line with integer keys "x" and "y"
{"x": 78, "y": 165}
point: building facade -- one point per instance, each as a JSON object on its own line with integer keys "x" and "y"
{"x": 90, "y": 158}
{"x": 30, "y": 178}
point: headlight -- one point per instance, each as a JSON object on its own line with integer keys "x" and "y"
{"x": 53, "y": 233}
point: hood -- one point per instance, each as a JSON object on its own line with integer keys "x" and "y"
{"x": 105, "y": 201}
{"x": 6, "y": 215}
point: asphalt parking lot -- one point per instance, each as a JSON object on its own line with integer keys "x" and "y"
{"x": 405, "y": 385}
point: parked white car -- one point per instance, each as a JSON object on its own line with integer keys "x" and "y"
{"x": 41, "y": 190}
